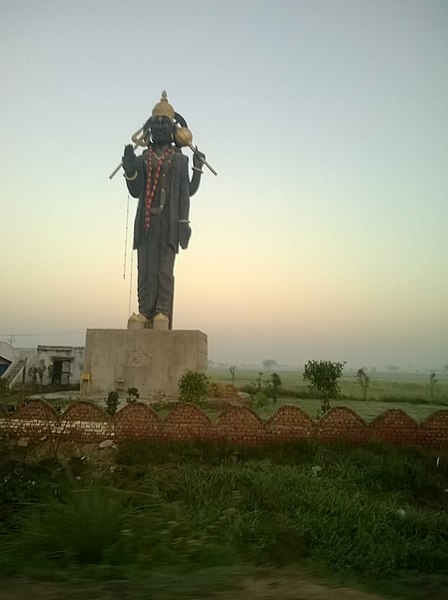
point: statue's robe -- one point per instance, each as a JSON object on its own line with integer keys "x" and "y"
{"x": 157, "y": 247}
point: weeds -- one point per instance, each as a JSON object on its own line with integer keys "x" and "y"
{"x": 368, "y": 512}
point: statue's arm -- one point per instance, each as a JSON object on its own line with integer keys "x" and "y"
{"x": 133, "y": 171}
{"x": 184, "y": 207}
{"x": 198, "y": 162}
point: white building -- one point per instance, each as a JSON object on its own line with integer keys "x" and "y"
{"x": 58, "y": 365}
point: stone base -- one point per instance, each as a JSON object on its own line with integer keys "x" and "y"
{"x": 150, "y": 360}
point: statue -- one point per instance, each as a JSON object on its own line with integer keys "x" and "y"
{"x": 159, "y": 179}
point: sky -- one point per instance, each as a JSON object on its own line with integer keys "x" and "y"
{"x": 324, "y": 235}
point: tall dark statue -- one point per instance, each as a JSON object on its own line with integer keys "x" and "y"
{"x": 159, "y": 179}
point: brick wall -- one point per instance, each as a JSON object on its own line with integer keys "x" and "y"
{"x": 86, "y": 422}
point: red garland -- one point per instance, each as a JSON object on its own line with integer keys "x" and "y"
{"x": 150, "y": 191}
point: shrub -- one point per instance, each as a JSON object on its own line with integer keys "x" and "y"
{"x": 323, "y": 376}
{"x": 80, "y": 528}
{"x": 112, "y": 403}
{"x": 260, "y": 399}
{"x": 274, "y": 385}
{"x": 363, "y": 381}
{"x": 193, "y": 387}
{"x": 133, "y": 395}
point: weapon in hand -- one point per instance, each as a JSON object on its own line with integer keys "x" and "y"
{"x": 138, "y": 140}
{"x": 184, "y": 137}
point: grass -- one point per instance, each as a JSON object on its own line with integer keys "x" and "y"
{"x": 410, "y": 392}
{"x": 376, "y": 514}
{"x": 403, "y": 387}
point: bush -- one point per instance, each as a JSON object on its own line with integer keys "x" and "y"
{"x": 80, "y": 528}
{"x": 112, "y": 403}
{"x": 133, "y": 395}
{"x": 193, "y": 387}
{"x": 323, "y": 376}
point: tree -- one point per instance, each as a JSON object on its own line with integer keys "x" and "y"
{"x": 323, "y": 376}
{"x": 268, "y": 364}
{"x": 432, "y": 383}
{"x": 232, "y": 370}
{"x": 392, "y": 368}
{"x": 275, "y": 384}
{"x": 364, "y": 381}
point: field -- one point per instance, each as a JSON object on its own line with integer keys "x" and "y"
{"x": 408, "y": 391}
{"x": 199, "y": 521}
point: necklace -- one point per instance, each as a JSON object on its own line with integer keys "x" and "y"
{"x": 152, "y": 183}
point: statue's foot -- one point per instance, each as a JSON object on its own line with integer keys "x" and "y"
{"x": 161, "y": 321}
{"x": 137, "y": 321}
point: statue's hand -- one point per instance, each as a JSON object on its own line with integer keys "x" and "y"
{"x": 184, "y": 235}
{"x": 129, "y": 160}
{"x": 198, "y": 159}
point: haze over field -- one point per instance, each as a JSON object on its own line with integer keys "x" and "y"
{"x": 324, "y": 234}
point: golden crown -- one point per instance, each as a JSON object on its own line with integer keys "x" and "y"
{"x": 163, "y": 108}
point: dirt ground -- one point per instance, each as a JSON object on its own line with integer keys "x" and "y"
{"x": 270, "y": 588}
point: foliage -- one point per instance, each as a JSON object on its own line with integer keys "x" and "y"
{"x": 432, "y": 384}
{"x": 260, "y": 399}
{"x": 133, "y": 395}
{"x": 112, "y": 402}
{"x": 22, "y": 484}
{"x": 37, "y": 373}
{"x": 364, "y": 381}
{"x": 4, "y": 386}
{"x": 80, "y": 528}
{"x": 193, "y": 387}
{"x": 323, "y": 375}
{"x": 370, "y": 512}
{"x": 274, "y": 385}
{"x": 232, "y": 370}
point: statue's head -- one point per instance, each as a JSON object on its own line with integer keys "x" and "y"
{"x": 160, "y": 129}
{"x": 160, "y": 126}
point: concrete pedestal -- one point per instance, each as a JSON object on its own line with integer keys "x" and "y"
{"x": 151, "y": 360}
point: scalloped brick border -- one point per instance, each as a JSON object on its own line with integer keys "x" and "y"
{"x": 86, "y": 422}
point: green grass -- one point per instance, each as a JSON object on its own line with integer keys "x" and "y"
{"x": 410, "y": 392}
{"x": 367, "y": 410}
{"x": 412, "y": 387}
{"x": 376, "y": 514}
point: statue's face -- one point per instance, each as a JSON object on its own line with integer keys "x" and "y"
{"x": 161, "y": 130}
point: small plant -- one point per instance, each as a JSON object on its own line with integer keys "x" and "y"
{"x": 274, "y": 385}
{"x": 112, "y": 402}
{"x": 432, "y": 384}
{"x": 4, "y": 387}
{"x": 193, "y": 387}
{"x": 259, "y": 380}
{"x": 133, "y": 395}
{"x": 364, "y": 381}
{"x": 323, "y": 376}
{"x": 260, "y": 399}
{"x": 37, "y": 372}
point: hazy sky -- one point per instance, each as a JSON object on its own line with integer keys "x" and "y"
{"x": 324, "y": 234}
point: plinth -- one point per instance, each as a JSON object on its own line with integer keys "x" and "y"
{"x": 150, "y": 360}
